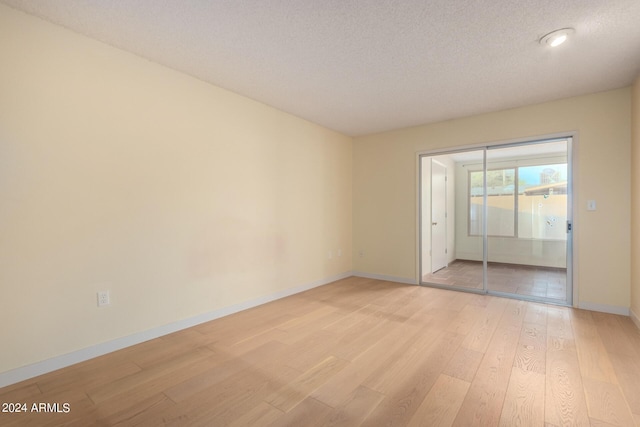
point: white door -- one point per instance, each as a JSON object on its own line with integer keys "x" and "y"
{"x": 438, "y": 216}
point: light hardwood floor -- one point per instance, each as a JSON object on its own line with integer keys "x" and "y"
{"x": 361, "y": 352}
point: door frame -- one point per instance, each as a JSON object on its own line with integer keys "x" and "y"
{"x": 572, "y": 211}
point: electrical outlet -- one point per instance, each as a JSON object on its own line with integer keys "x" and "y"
{"x": 361, "y": 253}
{"x": 103, "y": 298}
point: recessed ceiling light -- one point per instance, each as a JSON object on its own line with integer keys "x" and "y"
{"x": 557, "y": 37}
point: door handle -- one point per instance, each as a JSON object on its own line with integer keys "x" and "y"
{"x": 434, "y": 223}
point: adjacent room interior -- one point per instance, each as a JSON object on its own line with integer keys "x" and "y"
{"x": 312, "y": 213}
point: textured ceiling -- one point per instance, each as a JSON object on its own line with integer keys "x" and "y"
{"x": 361, "y": 67}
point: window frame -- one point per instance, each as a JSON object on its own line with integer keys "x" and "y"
{"x": 516, "y": 196}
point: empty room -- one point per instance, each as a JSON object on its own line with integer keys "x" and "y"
{"x": 320, "y": 213}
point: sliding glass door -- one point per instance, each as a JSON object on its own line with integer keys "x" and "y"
{"x": 506, "y": 214}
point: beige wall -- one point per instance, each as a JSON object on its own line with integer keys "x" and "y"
{"x": 635, "y": 200}
{"x": 177, "y": 196}
{"x": 385, "y": 188}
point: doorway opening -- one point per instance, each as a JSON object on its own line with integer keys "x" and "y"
{"x": 497, "y": 219}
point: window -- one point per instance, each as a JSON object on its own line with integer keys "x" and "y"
{"x": 527, "y": 202}
{"x": 501, "y": 187}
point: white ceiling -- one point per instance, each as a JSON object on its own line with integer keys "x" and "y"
{"x": 361, "y": 67}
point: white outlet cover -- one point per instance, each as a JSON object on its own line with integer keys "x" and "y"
{"x": 591, "y": 205}
{"x": 103, "y": 298}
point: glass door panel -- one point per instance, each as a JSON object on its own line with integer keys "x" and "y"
{"x": 527, "y": 211}
{"x": 451, "y": 222}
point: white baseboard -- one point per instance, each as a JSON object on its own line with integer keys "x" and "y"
{"x": 634, "y": 318}
{"x": 30, "y": 371}
{"x": 386, "y": 278}
{"x": 612, "y": 309}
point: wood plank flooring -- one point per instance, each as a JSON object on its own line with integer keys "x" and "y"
{"x": 360, "y": 352}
